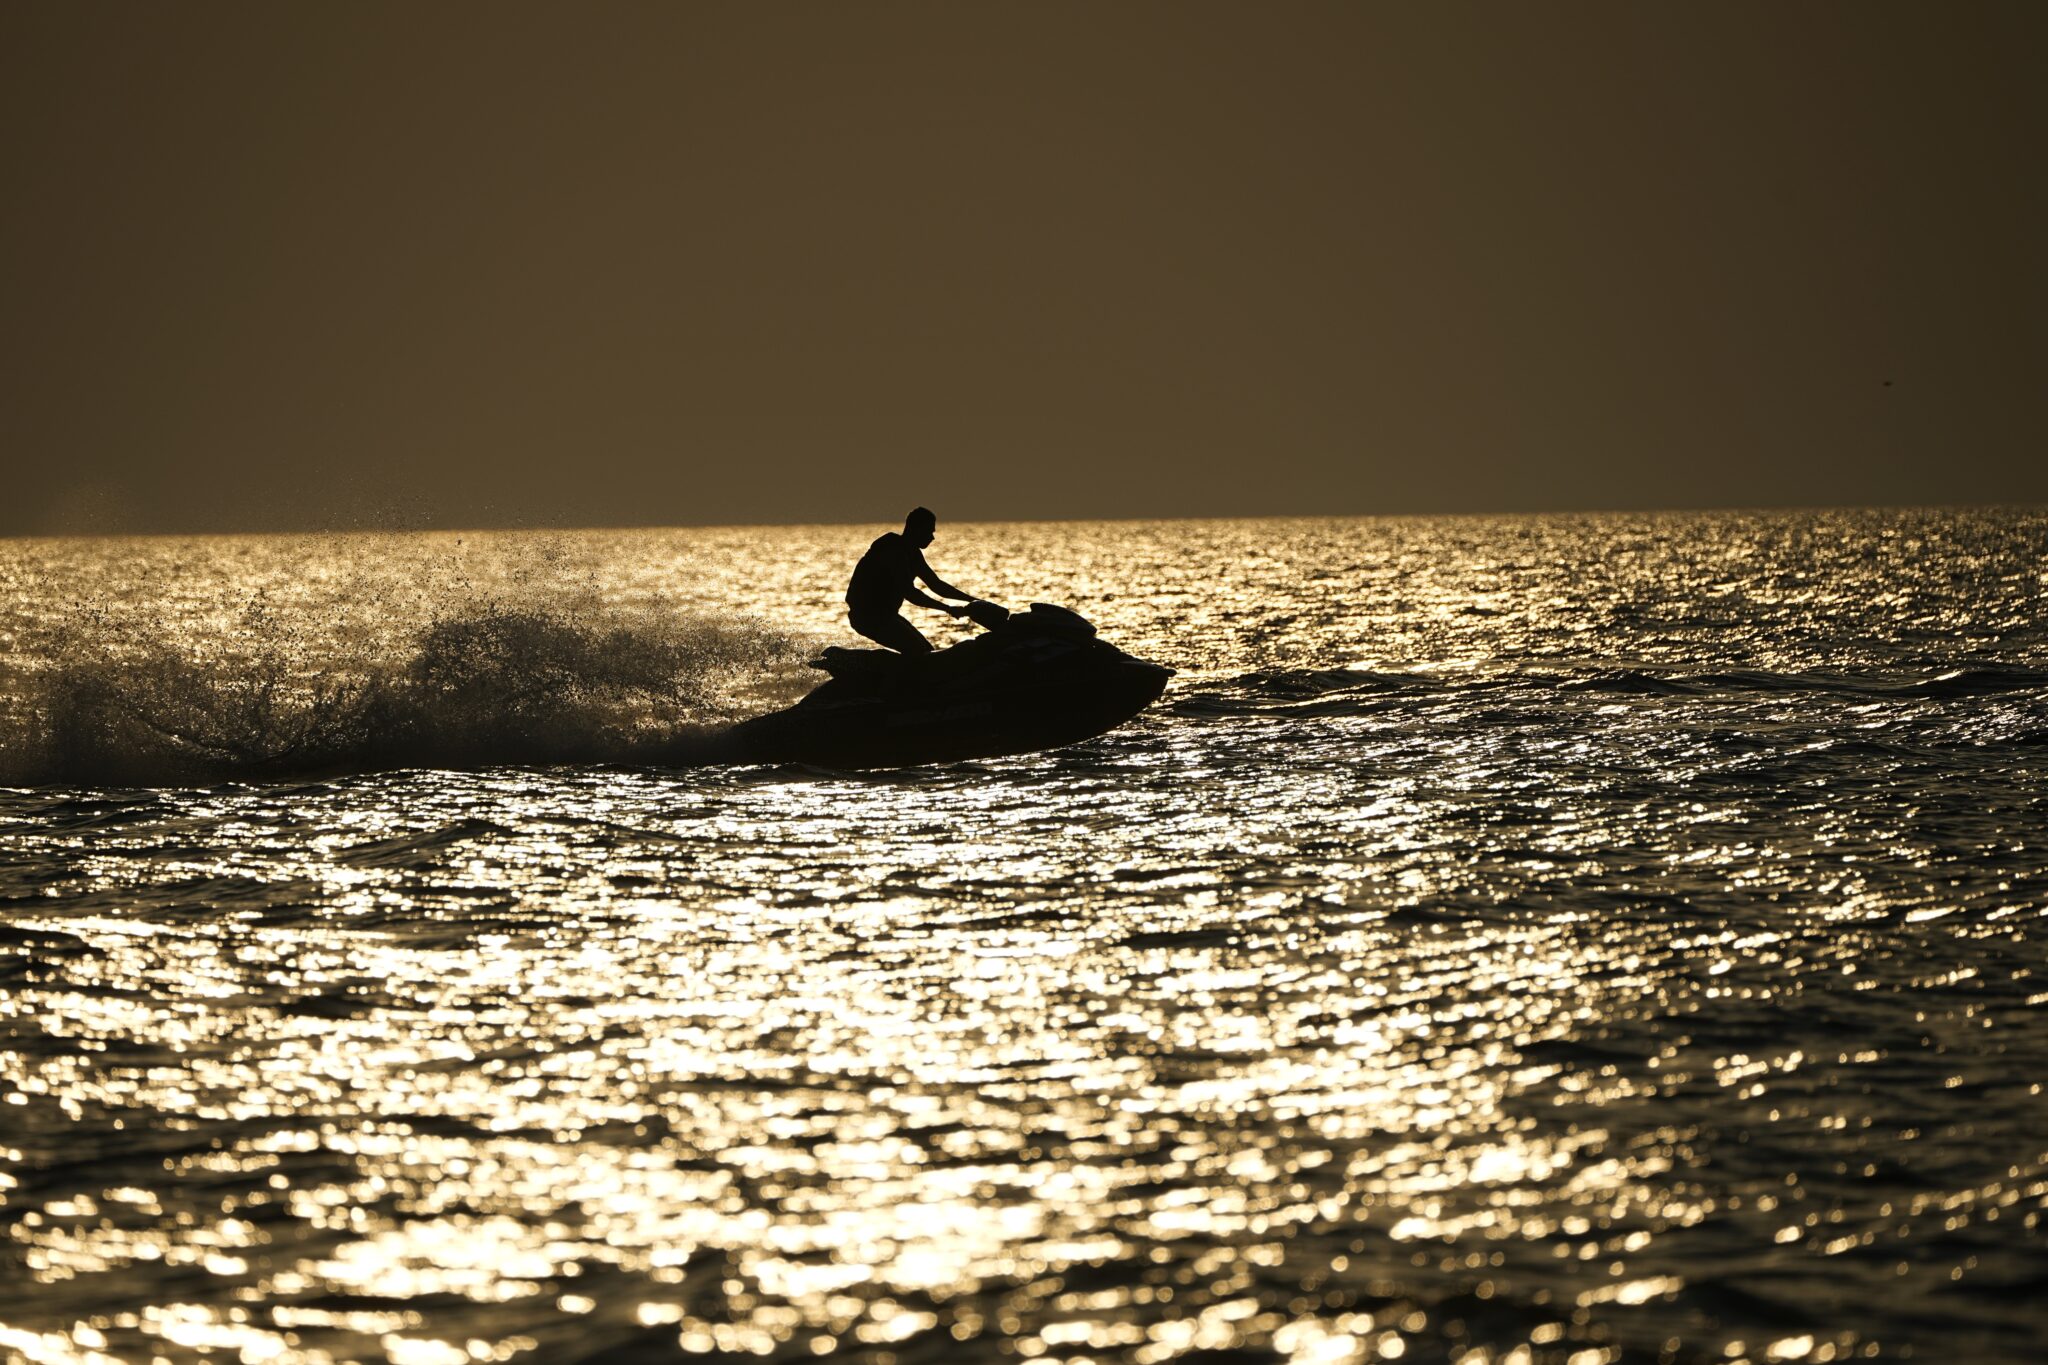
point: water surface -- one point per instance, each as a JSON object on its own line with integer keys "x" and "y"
{"x": 1582, "y": 938}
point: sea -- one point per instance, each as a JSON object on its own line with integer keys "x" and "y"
{"x": 1580, "y": 939}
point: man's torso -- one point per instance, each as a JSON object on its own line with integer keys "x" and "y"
{"x": 884, "y": 574}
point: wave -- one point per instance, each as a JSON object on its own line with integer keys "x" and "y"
{"x": 1955, "y": 682}
{"x": 1335, "y": 692}
{"x": 493, "y": 686}
{"x": 1629, "y": 680}
{"x": 1300, "y": 692}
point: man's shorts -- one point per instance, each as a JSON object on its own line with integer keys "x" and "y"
{"x": 890, "y": 629}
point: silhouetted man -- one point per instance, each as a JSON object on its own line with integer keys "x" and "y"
{"x": 887, "y": 575}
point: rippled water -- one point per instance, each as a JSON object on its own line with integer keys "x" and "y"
{"x": 1589, "y": 939}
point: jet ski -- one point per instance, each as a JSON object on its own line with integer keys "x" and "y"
{"x": 1035, "y": 679}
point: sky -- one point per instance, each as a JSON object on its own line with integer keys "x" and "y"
{"x": 317, "y": 266}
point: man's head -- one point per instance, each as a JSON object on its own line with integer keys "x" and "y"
{"x": 920, "y": 526}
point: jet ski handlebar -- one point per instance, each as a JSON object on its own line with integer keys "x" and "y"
{"x": 987, "y": 615}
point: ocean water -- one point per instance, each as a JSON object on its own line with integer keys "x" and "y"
{"x": 1580, "y": 939}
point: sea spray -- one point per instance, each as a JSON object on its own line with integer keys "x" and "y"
{"x": 497, "y": 686}
{"x": 361, "y": 671}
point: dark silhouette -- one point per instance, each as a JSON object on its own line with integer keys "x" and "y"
{"x": 887, "y": 576}
{"x": 1034, "y": 679}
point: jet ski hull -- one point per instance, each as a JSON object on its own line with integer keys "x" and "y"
{"x": 1029, "y": 694}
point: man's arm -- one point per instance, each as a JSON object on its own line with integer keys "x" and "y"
{"x": 936, "y": 584}
{"x": 916, "y": 598}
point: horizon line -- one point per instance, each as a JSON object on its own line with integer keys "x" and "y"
{"x": 542, "y": 528}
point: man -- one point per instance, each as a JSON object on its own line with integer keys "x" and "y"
{"x": 888, "y": 574}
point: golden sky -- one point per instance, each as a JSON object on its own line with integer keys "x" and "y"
{"x": 273, "y": 267}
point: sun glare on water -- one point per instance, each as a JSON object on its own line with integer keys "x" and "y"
{"x": 1399, "y": 1008}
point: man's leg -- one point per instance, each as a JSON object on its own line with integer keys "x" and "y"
{"x": 892, "y": 631}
